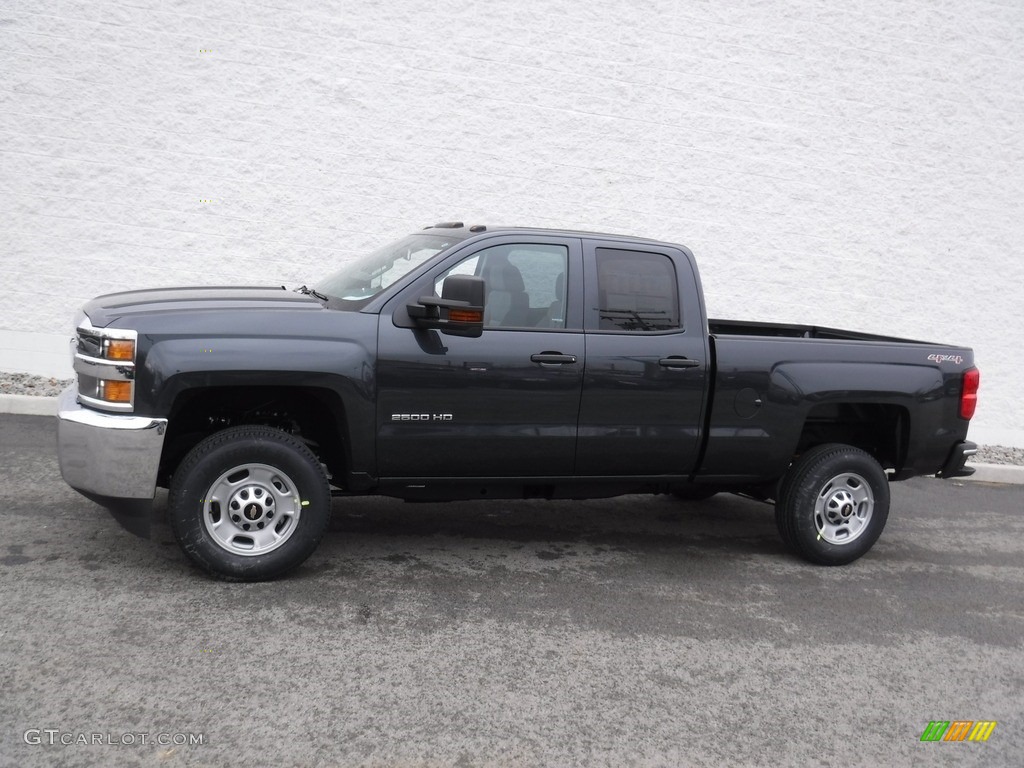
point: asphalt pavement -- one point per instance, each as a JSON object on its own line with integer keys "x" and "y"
{"x": 629, "y": 631}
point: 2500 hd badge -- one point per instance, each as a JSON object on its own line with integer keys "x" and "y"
{"x": 421, "y": 417}
{"x": 580, "y": 365}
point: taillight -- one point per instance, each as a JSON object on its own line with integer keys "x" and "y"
{"x": 969, "y": 392}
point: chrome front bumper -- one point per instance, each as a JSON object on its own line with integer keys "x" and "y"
{"x": 107, "y": 457}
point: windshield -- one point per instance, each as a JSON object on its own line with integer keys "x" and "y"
{"x": 360, "y": 280}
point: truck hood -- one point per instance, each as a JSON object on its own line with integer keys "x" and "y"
{"x": 105, "y": 310}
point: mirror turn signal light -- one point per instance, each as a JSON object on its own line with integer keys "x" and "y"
{"x": 465, "y": 315}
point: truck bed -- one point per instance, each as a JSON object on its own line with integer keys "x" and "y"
{"x": 772, "y": 380}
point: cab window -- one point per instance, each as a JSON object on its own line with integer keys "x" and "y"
{"x": 525, "y": 283}
{"x": 637, "y": 291}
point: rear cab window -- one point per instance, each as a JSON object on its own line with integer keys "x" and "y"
{"x": 637, "y": 292}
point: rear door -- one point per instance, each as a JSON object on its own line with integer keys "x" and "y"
{"x": 501, "y": 405}
{"x": 646, "y": 361}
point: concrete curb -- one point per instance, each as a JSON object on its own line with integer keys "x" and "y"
{"x": 28, "y": 405}
{"x": 1007, "y": 474}
{"x": 34, "y": 405}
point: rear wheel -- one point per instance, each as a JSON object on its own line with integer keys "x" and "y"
{"x": 833, "y": 504}
{"x": 249, "y": 503}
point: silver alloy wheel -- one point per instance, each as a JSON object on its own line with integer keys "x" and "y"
{"x": 843, "y": 508}
{"x": 252, "y": 509}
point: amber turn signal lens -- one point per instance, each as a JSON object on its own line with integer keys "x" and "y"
{"x": 466, "y": 315}
{"x": 120, "y": 349}
{"x": 116, "y": 391}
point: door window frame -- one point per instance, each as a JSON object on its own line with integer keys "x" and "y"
{"x": 689, "y": 311}
{"x": 424, "y": 285}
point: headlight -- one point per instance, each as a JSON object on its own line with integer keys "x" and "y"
{"x": 104, "y": 359}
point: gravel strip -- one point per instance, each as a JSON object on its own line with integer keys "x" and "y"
{"x": 26, "y": 384}
{"x": 998, "y": 454}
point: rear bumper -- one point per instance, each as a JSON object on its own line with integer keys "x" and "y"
{"x": 109, "y": 458}
{"x": 954, "y": 466}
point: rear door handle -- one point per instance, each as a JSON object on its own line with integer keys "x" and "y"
{"x": 552, "y": 358}
{"x": 679, "y": 362}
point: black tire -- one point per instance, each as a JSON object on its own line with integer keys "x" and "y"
{"x": 694, "y": 492}
{"x": 275, "y": 483}
{"x": 833, "y": 504}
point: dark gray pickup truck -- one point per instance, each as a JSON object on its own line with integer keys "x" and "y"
{"x": 492, "y": 363}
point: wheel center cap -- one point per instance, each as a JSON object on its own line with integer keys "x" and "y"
{"x": 253, "y": 511}
{"x": 847, "y": 510}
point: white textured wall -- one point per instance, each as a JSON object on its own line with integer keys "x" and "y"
{"x": 855, "y": 164}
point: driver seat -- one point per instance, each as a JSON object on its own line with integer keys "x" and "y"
{"x": 508, "y": 304}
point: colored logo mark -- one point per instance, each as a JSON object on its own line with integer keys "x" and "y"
{"x": 958, "y": 730}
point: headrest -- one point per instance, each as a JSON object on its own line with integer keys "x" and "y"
{"x": 506, "y": 277}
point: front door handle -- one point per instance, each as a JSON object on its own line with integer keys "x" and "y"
{"x": 552, "y": 358}
{"x": 678, "y": 362}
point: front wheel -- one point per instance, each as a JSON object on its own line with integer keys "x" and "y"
{"x": 249, "y": 503}
{"x": 833, "y": 504}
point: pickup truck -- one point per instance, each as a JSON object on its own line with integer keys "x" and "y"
{"x": 492, "y": 363}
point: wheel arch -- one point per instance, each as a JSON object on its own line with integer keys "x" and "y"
{"x": 880, "y": 429}
{"x": 316, "y": 415}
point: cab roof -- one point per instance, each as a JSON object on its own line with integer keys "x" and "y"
{"x": 466, "y": 231}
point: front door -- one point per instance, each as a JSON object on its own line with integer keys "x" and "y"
{"x": 501, "y": 405}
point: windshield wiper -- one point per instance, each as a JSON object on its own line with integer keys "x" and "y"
{"x": 310, "y": 292}
{"x": 638, "y": 321}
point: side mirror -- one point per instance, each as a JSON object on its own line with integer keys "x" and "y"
{"x": 459, "y": 311}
